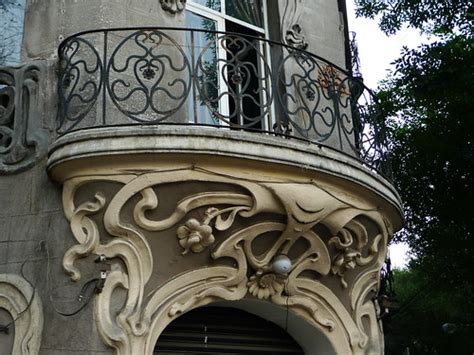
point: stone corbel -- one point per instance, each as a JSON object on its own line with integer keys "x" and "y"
{"x": 138, "y": 324}
{"x": 18, "y": 298}
{"x": 291, "y": 30}
{"x": 173, "y": 6}
{"x": 23, "y": 139}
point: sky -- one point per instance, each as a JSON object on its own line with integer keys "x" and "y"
{"x": 376, "y": 52}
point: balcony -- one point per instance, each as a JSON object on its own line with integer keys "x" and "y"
{"x": 197, "y": 158}
{"x": 164, "y": 77}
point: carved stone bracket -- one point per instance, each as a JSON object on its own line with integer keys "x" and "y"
{"x": 352, "y": 251}
{"x": 18, "y": 298}
{"x": 292, "y": 32}
{"x": 173, "y": 6}
{"x": 23, "y": 140}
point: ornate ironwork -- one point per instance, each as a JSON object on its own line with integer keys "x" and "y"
{"x": 246, "y": 81}
{"x": 165, "y": 76}
{"x": 148, "y": 76}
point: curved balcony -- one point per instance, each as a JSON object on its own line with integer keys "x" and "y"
{"x": 175, "y": 76}
{"x": 193, "y": 159}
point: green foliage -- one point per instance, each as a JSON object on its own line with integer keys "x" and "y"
{"x": 429, "y": 16}
{"x": 430, "y": 99}
{"x": 426, "y": 306}
{"x": 432, "y": 135}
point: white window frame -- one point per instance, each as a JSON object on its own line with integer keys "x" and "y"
{"x": 220, "y": 17}
{"x": 206, "y": 11}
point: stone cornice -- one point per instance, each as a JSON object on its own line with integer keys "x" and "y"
{"x": 190, "y": 142}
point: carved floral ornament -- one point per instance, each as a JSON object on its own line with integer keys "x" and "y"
{"x": 141, "y": 320}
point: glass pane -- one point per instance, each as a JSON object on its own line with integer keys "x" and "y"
{"x": 212, "y": 4}
{"x": 249, "y": 11}
{"x": 12, "y": 13}
{"x": 202, "y": 51}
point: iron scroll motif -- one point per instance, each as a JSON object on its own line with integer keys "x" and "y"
{"x": 188, "y": 76}
{"x": 80, "y": 81}
{"x": 23, "y": 139}
{"x": 246, "y": 76}
{"x": 148, "y": 76}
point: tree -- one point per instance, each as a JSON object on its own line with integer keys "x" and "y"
{"x": 417, "y": 325}
{"x": 10, "y": 30}
{"x": 429, "y": 97}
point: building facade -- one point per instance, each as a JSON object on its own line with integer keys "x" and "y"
{"x": 167, "y": 159}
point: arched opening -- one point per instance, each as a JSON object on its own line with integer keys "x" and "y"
{"x": 222, "y": 330}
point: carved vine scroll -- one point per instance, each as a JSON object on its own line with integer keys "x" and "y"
{"x": 23, "y": 140}
{"x": 351, "y": 250}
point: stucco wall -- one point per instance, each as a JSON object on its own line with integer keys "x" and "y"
{"x": 31, "y": 220}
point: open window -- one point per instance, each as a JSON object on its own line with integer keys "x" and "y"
{"x": 232, "y": 70}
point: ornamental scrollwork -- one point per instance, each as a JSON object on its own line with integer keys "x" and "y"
{"x": 247, "y": 83}
{"x": 19, "y": 299}
{"x": 223, "y": 232}
{"x": 154, "y": 76}
{"x": 154, "y": 83}
{"x": 349, "y": 243}
{"x": 173, "y": 6}
{"x": 292, "y": 31}
{"x": 23, "y": 139}
{"x": 315, "y": 99}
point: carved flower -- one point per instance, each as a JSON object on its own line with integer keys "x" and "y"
{"x": 195, "y": 236}
{"x": 344, "y": 261}
{"x": 264, "y": 285}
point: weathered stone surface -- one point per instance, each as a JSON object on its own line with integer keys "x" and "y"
{"x": 223, "y": 200}
{"x": 4, "y": 230}
{"x": 23, "y": 139}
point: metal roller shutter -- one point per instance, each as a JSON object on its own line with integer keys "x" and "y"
{"x": 218, "y": 330}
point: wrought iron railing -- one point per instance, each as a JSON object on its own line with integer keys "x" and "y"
{"x": 186, "y": 76}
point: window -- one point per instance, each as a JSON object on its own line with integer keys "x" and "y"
{"x": 232, "y": 70}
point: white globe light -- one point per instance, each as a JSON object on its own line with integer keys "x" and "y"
{"x": 281, "y": 264}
